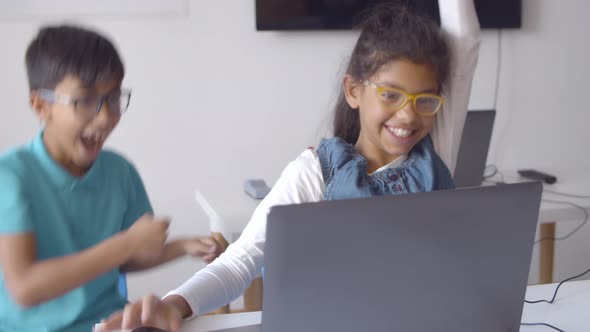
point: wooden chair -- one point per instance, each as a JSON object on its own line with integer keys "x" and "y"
{"x": 252, "y": 295}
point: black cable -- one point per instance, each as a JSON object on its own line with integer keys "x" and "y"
{"x": 494, "y": 171}
{"x": 542, "y": 324}
{"x": 565, "y": 194}
{"x": 498, "y": 74}
{"x": 557, "y": 288}
{"x": 498, "y": 69}
{"x": 559, "y": 238}
{"x": 551, "y": 302}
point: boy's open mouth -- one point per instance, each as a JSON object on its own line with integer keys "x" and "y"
{"x": 92, "y": 143}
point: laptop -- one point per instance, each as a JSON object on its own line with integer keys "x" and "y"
{"x": 439, "y": 261}
{"x": 473, "y": 149}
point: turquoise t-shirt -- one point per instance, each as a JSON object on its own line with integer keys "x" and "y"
{"x": 67, "y": 214}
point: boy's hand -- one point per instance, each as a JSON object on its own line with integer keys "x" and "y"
{"x": 149, "y": 311}
{"x": 147, "y": 236}
{"x": 205, "y": 247}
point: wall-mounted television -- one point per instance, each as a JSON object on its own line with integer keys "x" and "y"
{"x": 344, "y": 14}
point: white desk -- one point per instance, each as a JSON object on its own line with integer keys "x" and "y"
{"x": 219, "y": 322}
{"x": 571, "y": 182}
{"x": 230, "y": 211}
{"x": 569, "y": 312}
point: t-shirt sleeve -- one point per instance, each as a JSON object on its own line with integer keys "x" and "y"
{"x": 138, "y": 203}
{"x": 15, "y": 211}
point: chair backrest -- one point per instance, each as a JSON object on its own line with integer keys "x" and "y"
{"x": 219, "y": 231}
{"x": 122, "y": 285}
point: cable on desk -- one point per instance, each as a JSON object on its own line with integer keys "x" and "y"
{"x": 565, "y": 194}
{"x": 557, "y": 288}
{"x": 542, "y": 324}
{"x": 551, "y": 301}
{"x": 493, "y": 172}
{"x": 559, "y": 238}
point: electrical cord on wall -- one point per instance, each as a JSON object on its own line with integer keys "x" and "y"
{"x": 498, "y": 132}
{"x": 498, "y": 69}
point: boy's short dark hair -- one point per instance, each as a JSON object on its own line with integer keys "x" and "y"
{"x": 58, "y": 51}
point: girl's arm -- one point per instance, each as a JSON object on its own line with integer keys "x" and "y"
{"x": 460, "y": 23}
{"x": 229, "y": 275}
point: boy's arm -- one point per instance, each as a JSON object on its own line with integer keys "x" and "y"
{"x": 204, "y": 247}
{"x": 31, "y": 282}
{"x": 138, "y": 204}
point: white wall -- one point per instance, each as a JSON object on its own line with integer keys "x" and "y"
{"x": 542, "y": 119}
{"x": 216, "y": 102}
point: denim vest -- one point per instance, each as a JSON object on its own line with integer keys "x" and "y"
{"x": 345, "y": 172}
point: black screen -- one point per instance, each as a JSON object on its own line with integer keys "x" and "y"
{"x": 344, "y": 14}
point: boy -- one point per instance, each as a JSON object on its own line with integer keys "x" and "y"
{"x": 71, "y": 215}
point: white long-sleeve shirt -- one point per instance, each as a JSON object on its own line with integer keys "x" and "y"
{"x": 301, "y": 181}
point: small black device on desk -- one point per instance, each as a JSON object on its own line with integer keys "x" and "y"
{"x": 537, "y": 175}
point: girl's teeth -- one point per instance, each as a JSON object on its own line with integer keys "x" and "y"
{"x": 400, "y": 132}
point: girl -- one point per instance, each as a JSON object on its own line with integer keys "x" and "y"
{"x": 392, "y": 135}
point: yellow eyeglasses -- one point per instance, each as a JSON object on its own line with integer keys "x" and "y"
{"x": 395, "y": 99}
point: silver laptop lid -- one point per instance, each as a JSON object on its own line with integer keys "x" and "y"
{"x": 439, "y": 261}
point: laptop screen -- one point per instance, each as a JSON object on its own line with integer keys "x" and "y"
{"x": 473, "y": 149}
